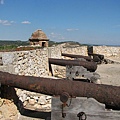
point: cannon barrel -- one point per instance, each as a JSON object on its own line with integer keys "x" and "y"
{"x": 91, "y": 66}
{"x": 109, "y": 95}
{"x": 88, "y": 58}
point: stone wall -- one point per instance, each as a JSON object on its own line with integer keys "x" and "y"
{"x": 35, "y": 62}
{"x": 107, "y": 51}
{"x": 55, "y": 52}
{"x": 32, "y": 63}
{"x": 76, "y": 50}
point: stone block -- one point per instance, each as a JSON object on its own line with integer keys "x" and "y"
{"x": 7, "y": 58}
{"x": 91, "y": 108}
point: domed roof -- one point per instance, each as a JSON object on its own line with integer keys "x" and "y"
{"x": 39, "y": 34}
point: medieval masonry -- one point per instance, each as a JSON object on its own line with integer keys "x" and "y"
{"x": 39, "y": 38}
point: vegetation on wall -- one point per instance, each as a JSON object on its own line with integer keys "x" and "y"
{"x": 17, "y": 42}
{"x": 6, "y": 45}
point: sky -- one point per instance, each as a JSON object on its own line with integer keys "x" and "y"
{"x": 83, "y": 21}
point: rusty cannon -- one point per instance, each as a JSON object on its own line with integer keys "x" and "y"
{"x": 96, "y": 57}
{"x": 90, "y": 66}
{"x": 88, "y": 58}
{"x": 109, "y": 95}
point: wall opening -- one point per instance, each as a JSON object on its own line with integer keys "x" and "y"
{"x": 43, "y": 44}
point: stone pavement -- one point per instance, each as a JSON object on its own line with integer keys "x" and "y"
{"x": 109, "y": 74}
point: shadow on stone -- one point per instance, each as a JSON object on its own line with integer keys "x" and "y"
{"x": 10, "y": 94}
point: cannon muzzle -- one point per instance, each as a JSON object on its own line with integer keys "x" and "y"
{"x": 96, "y": 57}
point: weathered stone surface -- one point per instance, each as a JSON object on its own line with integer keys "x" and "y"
{"x": 46, "y": 106}
{"x": 8, "y": 110}
{"x": 1, "y": 62}
{"x": 7, "y": 68}
{"x": 25, "y": 103}
{"x": 8, "y": 58}
{"x": 107, "y": 51}
{"x": 91, "y": 108}
{"x": 32, "y": 101}
{"x": 79, "y": 72}
{"x": 42, "y": 100}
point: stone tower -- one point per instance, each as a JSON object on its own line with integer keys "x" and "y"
{"x": 39, "y": 38}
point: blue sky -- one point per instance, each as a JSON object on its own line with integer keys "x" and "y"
{"x": 85, "y": 21}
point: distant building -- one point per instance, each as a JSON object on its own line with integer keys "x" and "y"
{"x": 39, "y": 38}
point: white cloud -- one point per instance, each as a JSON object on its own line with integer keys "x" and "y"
{"x": 6, "y": 22}
{"x": 1, "y": 2}
{"x": 56, "y": 36}
{"x": 72, "y": 29}
{"x": 52, "y": 33}
{"x": 26, "y": 22}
